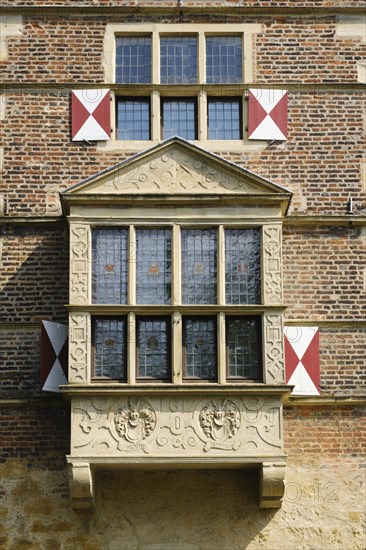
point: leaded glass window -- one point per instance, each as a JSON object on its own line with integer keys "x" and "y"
{"x": 224, "y": 59}
{"x": 179, "y": 118}
{"x": 178, "y": 59}
{"x": 153, "y": 266}
{"x": 243, "y": 343}
{"x": 200, "y": 348}
{"x": 133, "y": 118}
{"x": 199, "y": 266}
{"x": 110, "y": 348}
{"x": 224, "y": 118}
{"x": 133, "y": 59}
{"x": 110, "y": 266}
{"x": 242, "y": 266}
{"x": 153, "y": 347}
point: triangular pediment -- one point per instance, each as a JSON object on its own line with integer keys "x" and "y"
{"x": 176, "y": 167}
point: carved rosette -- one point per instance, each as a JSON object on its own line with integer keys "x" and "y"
{"x": 272, "y": 237}
{"x": 79, "y": 264}
{"x": 274, "y": 354}
{"x": 79, "y": 342}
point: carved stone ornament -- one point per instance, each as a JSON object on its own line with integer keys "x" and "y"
{"x": 272, "y": 265}
{"x": 220, "y": 422}
{"x": 274, "y": 358}
{"x": 175, "y": 171}
{"x": 79, "y": 256}
{"x": 79, "y": 331}
{"x": 134, "y": 423}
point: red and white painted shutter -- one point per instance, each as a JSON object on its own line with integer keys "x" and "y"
{"x": 267, "y": 114}
{"x": 302, "y": 360}
{"x": 90, "y": 114}
{"x": 54, "y": 355}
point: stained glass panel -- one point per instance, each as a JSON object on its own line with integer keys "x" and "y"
{"x": 133, "y": 59}
{"x": 109, "y": 280}
{"x": 223, "y": 59}
{"x": 153, "y": 266}
{"x": 243, "y": 274}
{"x": 199, "y": 266}
{"x": 178, "y": 59}
{"x": 110, "y": 348}
{"x": 200, "y": 348}
{"x": 244, "y": 349}
{"x": 153, "y": 336}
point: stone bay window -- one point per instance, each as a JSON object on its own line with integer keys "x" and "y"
{"x": 175, "y": 318}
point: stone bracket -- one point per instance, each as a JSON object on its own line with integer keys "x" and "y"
{"x": 81, "y": 485}
{"x": 272, "y": 485}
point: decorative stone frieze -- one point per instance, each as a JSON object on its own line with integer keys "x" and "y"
{"x": 79, "y": 345}
{"x": 180, "y": 431}
{"x": 272, "y": 280}
{"x": 274, "y": 355}
{"x": 79, "y": 264}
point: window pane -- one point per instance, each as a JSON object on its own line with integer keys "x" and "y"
{"x": 110, "y": 348}
{"x": 199, "y": 266}
{"x": 244, "y": 350}
{"x": 133, "y": 59}
{"x": 224, "y": 118}
{"x": 133, "y": 118}
{"x": 223, "y": 59}
{"x": 242, "y": 257}
{"x": 153, "y": 347}
{"x": 200, "y": 348}
{"x": 179, "y": 118}
{"x": 178, "y": 60}
{"x": 153, "y": 266}
{"x": 110, "y": 266}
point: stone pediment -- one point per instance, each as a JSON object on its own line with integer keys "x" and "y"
{"x": 176, "y": 167}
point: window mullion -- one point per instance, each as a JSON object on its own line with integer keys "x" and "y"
{"x": 132, "y": 259}
{"x": 176, "y": 267}
{"x": 131, "y": 348}
{"x": 155, "y": 116}
{"x": 155, "y": 58}
{"x": 177, "y": 350}
{"x": 202, "y": 115}
{"x": 221, "y": 348}
{"x": 221, "y": 266}
{"x": 201, "y": 58}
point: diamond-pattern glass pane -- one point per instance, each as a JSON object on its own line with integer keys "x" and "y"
{"x": 110, "y": 348}
{"x": 153, "y": 347}
{"x": 200, "y": 348}
{"x": 224, "y": 118}
{"x": 199, "y": 266}
{"x": 244, "y": 349}
{"x": 133, "y": 59}
{"x": 133, "y": 119}
{"x": 178, "y": 60}
{"x": 223, "y": 59}
{"x": 179, "y": 118}
{"x": 109, "y": 266}
{"x": 153, "y": 266}
{"x": 242, "y": 260}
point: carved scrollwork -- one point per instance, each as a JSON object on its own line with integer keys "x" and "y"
{"x": 176, "y": 171}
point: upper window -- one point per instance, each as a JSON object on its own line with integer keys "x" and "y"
{"x": 140, "y": 266}
{"x": 170, "y": 66}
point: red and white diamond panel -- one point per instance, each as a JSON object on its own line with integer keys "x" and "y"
{"x": 302, "y": 360}
{"x": 90, "y": 115}
{"x": 54, "y": 352}
{"x": 267, "y": 114}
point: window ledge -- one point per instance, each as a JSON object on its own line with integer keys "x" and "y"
{"x": 216, "y": 146}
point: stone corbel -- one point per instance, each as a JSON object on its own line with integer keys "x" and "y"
{"x": 272, "y": 486}
{"x": 81, "y": 485}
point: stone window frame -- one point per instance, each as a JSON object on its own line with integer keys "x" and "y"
{"x": 177, "y": 310}
{"x": 200, "y": 90}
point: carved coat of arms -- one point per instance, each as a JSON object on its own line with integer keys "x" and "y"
{"x": 135, "y": 422}
{"x": 220, "y": 422}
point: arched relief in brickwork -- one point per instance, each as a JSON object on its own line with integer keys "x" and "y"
{"x": 79, "y": 264}
{"x": 272, "y": 283}
{"x": 181, "y": 427}
{"x": 79, "y": 343}
{"x": 274, "y": 355}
